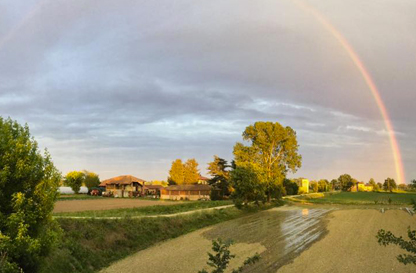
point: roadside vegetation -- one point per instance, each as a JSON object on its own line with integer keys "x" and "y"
{"x": 146, "y": 211}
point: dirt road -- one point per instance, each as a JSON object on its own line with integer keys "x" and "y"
{"x": 105, "y": 204}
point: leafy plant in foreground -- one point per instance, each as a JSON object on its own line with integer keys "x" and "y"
{"x": 222, "y": 256}
{"x": 386, "y": 237}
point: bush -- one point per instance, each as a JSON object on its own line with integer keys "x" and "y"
{"x": 28, "y": 190}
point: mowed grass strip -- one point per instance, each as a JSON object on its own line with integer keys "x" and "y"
{"x": 147, "y": 211}
{"x": 88, "y": 245}
{"x": 358, "y": 198}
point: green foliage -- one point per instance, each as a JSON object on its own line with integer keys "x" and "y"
{"x": 28, "y": 190}
{"x": 90, "y": 245}
{"x": 413, "y": 184}
{"x": 346, "y": 182}
{"x": 222, "y": 255}
{"x": 74, "y": 180}
{"x": 191, "y": 172}
{"x": 91, "y": 180}
{"x": 248, "y": 186}
{"x": 272, "y": 154}
{"x": 389, "y": 184}
{"x": 373, "y": 183}
{"x": 335, "y": 185}
{"x": 364, "y": 198}
{"x": 314, "y": 185}
{"x": 291, "y": 188}
{"x": 386, "y": 238}
{"x": 221, "y": 258}
{"x": 323, "y": 185}
{"x": 176, "y": 173}
{"x": 220, "y": 176}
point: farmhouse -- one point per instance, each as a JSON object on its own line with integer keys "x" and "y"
{"x": 123, "y": 186}
{"x": 186, "y": 192}
{"x": 203, "y": 180}
{"x": 153, "y": 190}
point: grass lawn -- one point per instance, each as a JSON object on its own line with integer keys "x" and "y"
{"x": 359, "y": 198}
{"x": 150, "y": 210}
{"x": 89, "y": 245}
{"x": 64, "y": 197}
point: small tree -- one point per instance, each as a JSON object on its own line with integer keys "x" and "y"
{"x": 314, "y": 186}
{"x": 323, "y": 185}
{"x": 222, "y": 255}
{"x": 28, "y": 190}
{"x": 75, "y": 180}
{"x": 218, "y": 169}
{"x": 91, "y": 180}
{"x": 291, "y": 188}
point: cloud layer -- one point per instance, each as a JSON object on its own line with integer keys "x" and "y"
{"x": 125, "y": 87}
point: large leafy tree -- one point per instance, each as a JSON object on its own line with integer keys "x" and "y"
{"x": 176, "y": 173}
{"x": 219, "y": 170}
{"x": 273, "y": 152}
{"x": 346, "y": 182}
{"x": 75, "y": 180}
{"x": 389, "y": 184}
{"x": 28, "y": 190}
{"x": 248, "y": 185}
{"x": 191, "y": 172}
{"x": 91, "y": 180}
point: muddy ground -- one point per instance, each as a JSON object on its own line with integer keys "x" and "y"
{"x": 105, "y": 204}
{"x": 289, "y": 239}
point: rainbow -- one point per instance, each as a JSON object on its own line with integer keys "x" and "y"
{"x": 368, "y": 80}
{"x": 338, "y": 36}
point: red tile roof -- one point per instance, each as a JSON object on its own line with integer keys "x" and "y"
{"x": 122, "y": 180}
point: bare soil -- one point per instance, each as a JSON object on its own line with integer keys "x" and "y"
{"x": 105, "y": 204}
{"x": 351, "y": 245}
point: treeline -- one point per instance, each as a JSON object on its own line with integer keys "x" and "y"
{"x": 76, "y": 179}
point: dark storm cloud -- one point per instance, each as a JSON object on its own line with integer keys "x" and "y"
{"x": 128, "y": 86}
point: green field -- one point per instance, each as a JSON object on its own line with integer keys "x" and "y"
{"x": 151, "y": 210}
{"x": 361, "y": 198}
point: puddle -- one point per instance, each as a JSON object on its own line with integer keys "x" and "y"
{"x": 283, "y": 232}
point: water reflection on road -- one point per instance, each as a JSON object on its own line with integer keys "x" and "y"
{"x": 285, "y": 232}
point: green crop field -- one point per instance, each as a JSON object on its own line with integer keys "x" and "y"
{"x": 360, "y": 198}
{"x": 150, "y": 210}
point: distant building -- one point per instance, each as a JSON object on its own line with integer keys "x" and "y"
{"x": 186, "y": 192}
{"x": 123, "y": 186}
{"x": 152, "y": 190}
{"x": 203, "y": 180}
{"x": 360, "y": 186}
{"x": 303, "y": 185}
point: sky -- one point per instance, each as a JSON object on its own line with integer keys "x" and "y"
{"x": 126, "y": 87}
